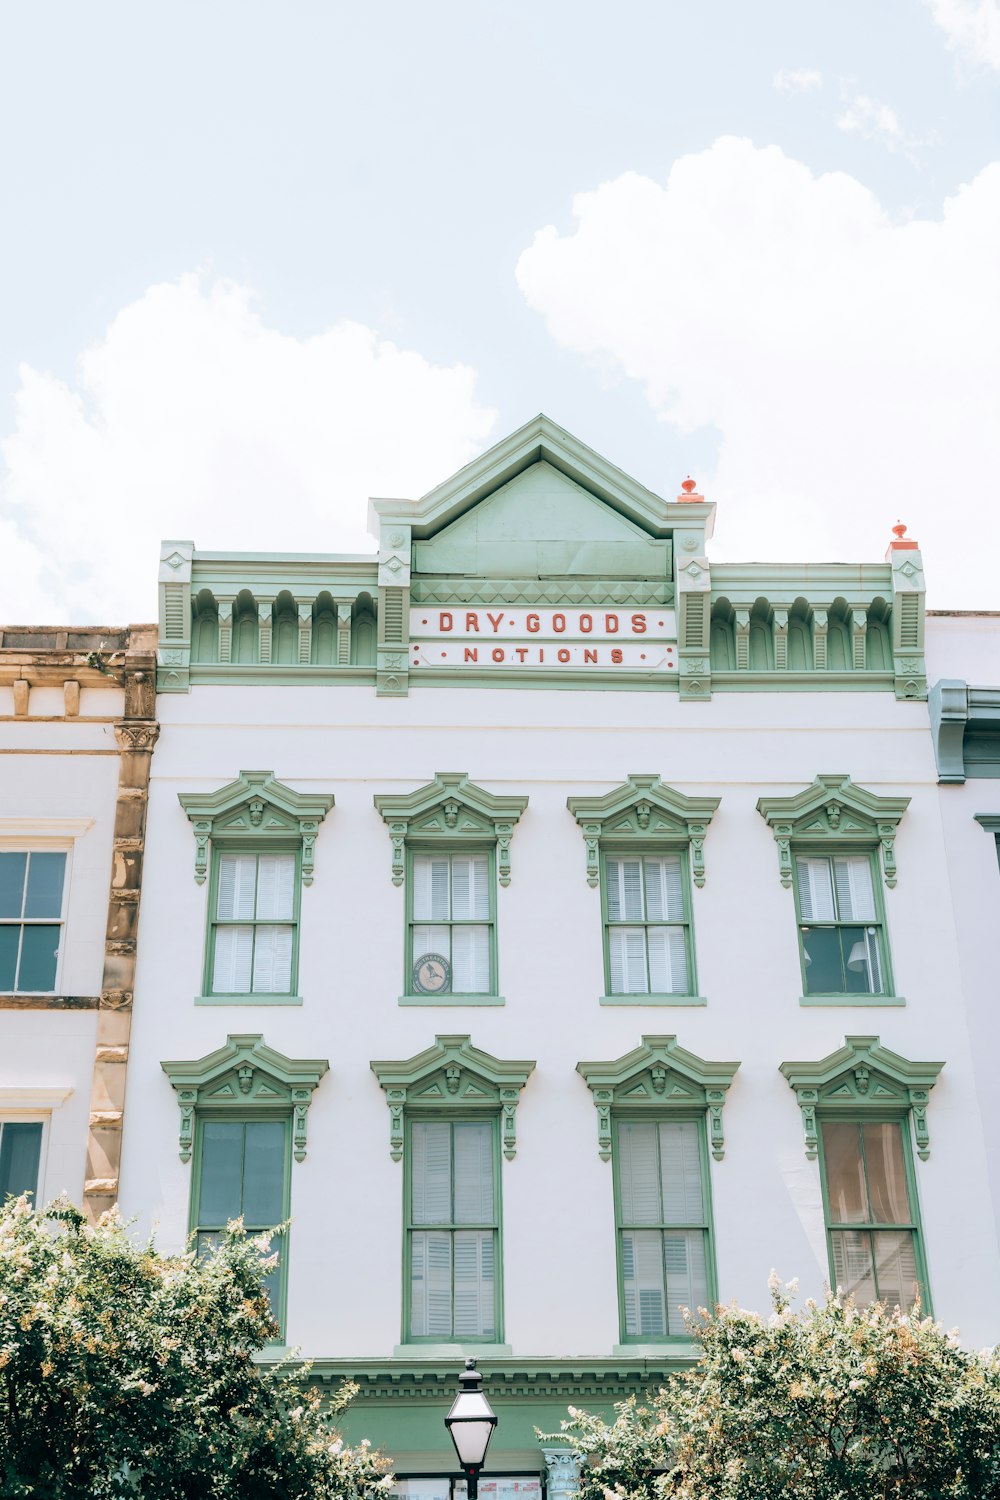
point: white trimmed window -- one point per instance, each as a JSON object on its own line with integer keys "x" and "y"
{"x": 452, "y": 920}
{"x": 647, "y": 924}
{"x": 840, "y": 925}
{"x": 32, "y": 891}
{"x": 453, "y": 1230}
{"x": 255, "y": 924}
{"x": 20, "y": 1157}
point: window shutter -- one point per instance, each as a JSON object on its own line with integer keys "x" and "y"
{"x": 474, "y": 1299}
{"x": 470, "y": 960}
{"x": 430, "y": 1284}
{"x": 687, "y": 1282}
{"x": 680, "y": 1172}
{"x": 816, "y": 903}
{"x": 430, "y": 888}
{"x": 642, "y": 1283}
{"x": 221, "y": 1195}
{"x": 430, "y": 1168}
{"x": 668, "y": 970}
{"x": 473, "y": 1172}
{"x": 276, "y": 888}
{"x": 664, "y": 889}
{"x": 237, "y": 886}
{"x": 272, "y": 960}
{"x": 263, "y": 1173}
{"x": 638, "y": 1176}
{"x": 469, "y": 887}
{"x": 896, "y": 1267}
{"x": 855, "y": 895}
{"x": 233, "y": 954}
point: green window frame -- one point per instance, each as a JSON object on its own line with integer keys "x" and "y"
{"x": 451, "y": 914}
{"x": 33, "y": 889}
{"x": 664, "y": 1229}
{"x": 871, "y": 1211}
{"x": 452, "y": 1279}
{"x": 20, "y": 1158}
{"x": 242, "y": 1170}
{"x": 259, "y": 927}
{"x": 843, "y": 947}
{"x": 648, "y": 935}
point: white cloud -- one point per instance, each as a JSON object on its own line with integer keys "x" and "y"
{"x": 192, "y": 418}
{"x": 865, "y": 116}
{"x": 797, "y": 80}
{"x": 850, "y": 365}
{"x": 972, "y": 27}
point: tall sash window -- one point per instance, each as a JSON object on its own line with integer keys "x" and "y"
{"x": 871, "y": 1218}
{"x": 20, "y": 1154}
{"x": 648, "y": 930}
{"x": 453, "y": 1230}
{"x": 452, "y": 919}
{"x": 242, "y": 1173}
{"x": 255, "y": 924}
{"x": 840, "y": 926}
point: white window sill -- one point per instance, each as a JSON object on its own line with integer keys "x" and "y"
{"x": 248, "y": 999}
{"x": 652, "y": 1000}
{"x": 659, "y": 1353}
{"x": 452, "y": 1000}
{"x": 866, "y": 1000}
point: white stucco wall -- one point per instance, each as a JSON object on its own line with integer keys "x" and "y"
{"x": 558, "y": 1224}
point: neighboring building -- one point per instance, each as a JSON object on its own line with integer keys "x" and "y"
{"x": 77, "y": 729}
{"x": 557, "y": 926}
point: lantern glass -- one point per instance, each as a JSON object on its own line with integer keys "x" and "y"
{"x": 471, "y": 1422}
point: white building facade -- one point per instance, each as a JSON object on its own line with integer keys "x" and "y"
{"x": 557, "y": 928}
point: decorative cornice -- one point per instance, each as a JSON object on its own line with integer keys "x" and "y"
{"x": 598, "y": 592}
{"x": 246, "y": 1074}
{"x": 833, "y": 810}
{"x": 255, "y": 809}
{"x": 862, "y": 1075}
{"x": 658, "y": 1077}
{"x": 453, "y": 1074}
{"x": 643, "y": 811}
{"x": 450, "y": 810}
{"x": 431, "y": 1382}
{"x": 133, "y": 734}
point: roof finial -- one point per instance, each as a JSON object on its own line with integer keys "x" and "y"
{"x": 690, "y": 492}
{"x": 901, "y": 542}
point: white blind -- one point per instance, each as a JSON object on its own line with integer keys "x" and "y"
{"x": 276, "y": 887}
{"x": 470, "y": 960}
{"x": 687, "y": 1282}
{"x": 855, "y": 896}
{"x": 233, "y": 958}
{"x": 664, "y": 891}
{"x": 470, "y": 899}
{"x": 430, "y": 1284}
{"x": 272, "y": 960}
{"x": 430, "y": 888}
{"x": 816, "y": 903}
{"x": 642, "y": 1283}
{"x": 638, "y": 1172}
{"x": 430, "y": 1169}
{"x": 625, "y": 902}
{"x": 237, "y": 884}
{"x": 473, "y": 1148}
{"x": 627, "y": 947}
{"x": 474, "y": 1284}
{"x": 680, "y": 1172}
{"x": 668, "y": 970}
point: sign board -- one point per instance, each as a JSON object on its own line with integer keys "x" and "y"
{"x": 497, "y": 636}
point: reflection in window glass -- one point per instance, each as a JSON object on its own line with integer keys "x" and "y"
{"x": 864, "y": 1168}
{"x": 31, "y": 899}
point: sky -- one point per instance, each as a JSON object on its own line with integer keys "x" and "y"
{"x": 259, "y": 261}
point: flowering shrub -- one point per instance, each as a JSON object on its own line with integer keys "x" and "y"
{"x": 128, "y": 1373}
{"x": 833, "y": 1402}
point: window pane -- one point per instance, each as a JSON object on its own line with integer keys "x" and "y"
{"x": 642, "y": 1283}
{"x": 859, "y": 950}
{"x": 815, "y": 888}
{"x": 668, "y": 970}
{"x": 276, "y": 888}
{"x": 430, "y": 1284}
{"x": 12, "y": 872}
{"x": 20, "y": 1149}
{"x": 664, "y": 891}
{"x": 221, "y": 1171}
{"x": 237, "y": 884}
{"x": 39, "y": 952}
{"x": 264, "y": 1173}
{"x": 845, "y": 1172}
{"x": 431, "y": 901}
{"x": 824, "y": 974}
{"x": 627, "y": 946}
{"x": 233, "y": 954}
{"x": 473, "y": 1147}
{"x": 470, "y": 898}
{"x": 272, "y": 959}
{"x": 680, "y": 1172}
{"x": 853, "y": 1269}
{"x": 855, "y": 896}
{"x": 10, "y": 938}
{"x": 474, "y": 1298}
{"x": 638, "y": 1172}
{"x": 687, "y": 1283}
{"x": 896, "y": 1267}
{"x": 430, "y": 1171}
{"x": 45, "y": 885}
{"x": 887, "y": 1191}
{"x": 427, "y": 940}
{"x": 470, "y": 960}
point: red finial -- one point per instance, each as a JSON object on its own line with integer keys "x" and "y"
{"x": 688, "y": 484}
{"x": 901, "y": 542}
{"x": 690, "y": 493}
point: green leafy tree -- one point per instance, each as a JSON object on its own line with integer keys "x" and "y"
{"x": 833, "y": 1402}
{"x": 128, "y": 1373}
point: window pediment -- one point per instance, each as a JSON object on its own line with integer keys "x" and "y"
{"x": 256, "y": 809}
{"x": 658, "y": 1076}
{"x": 833, "y": 810}
{"x": 643, "y": 811}
{"x": 450, "y": 810}
{"x": 862, "y": 1075}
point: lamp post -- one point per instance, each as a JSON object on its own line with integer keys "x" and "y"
{"x": 471, "y": 1422}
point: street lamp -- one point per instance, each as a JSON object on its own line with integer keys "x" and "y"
{"x": 471, "y": 1422}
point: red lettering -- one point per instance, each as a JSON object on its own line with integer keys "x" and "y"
{"x": 611, "y": 624}
{"x": 445, "y": 625}
{"x": 533, "y": 623}
{"x": 541, "y": 654}
{"x": 638, "y": 624}
{"x": 499, "y": 653}
{"x": 520, "y": 652}
{"x": 494, "y": 620}
{"x": 471, "y": 653}
{"x": 616, "y": 656}
{"x": 586, "y": 624}
{"x": 562, "y": 654}
{"x": 558, "y": 623}
{"x": 472, "y": 621}
{"x": 590, "y": 655}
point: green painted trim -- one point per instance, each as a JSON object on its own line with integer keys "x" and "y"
{"x": 864, "y": 1000}
{"x": 245, "y": 1074}
{"x": 456, "y": 1076}
{"x": 583, "y": 591}
{"x": 281, "y": 1311}
{"x": 540, "y": 677}
{"x": 433, "y": 1342}
{"x": 451, "y": 1000}
{"x": 652, "y": 1000}
{"x": 820, "y": 583}
{"x": 834, "y": 811}
{"x": 658, "y": 1077}
{"x": 989, "y": 821}
{"x": 818, "y": 681}
{"x": 255, "y": 809}
{"x": 274, "y": 674}
{"x": 468, "y": 844}
{"x": 452, "y": 1354}
{"x": 451, "y": 810}
{"x": 707, "y": 1226}
{"x": 862, "y": 1076}
{"x": 914, "y": 1226}
{"x": 677, "y": 1349}
{"x": 248, "y": 1000}
{"x": 644, "y": 812}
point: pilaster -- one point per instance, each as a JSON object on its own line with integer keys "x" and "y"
{"x": 394, "y": 561}
{"x": 305, "y": 609}
{"x": 173, "y": 652}
{"x": 265, "y": 626}
{"x": 907, "y": 566}
{"x": 819, "y": 639}
{"x": 225, "y": 603}
{"x": 692, "y": 519}
{"x": 345, "y": 606}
